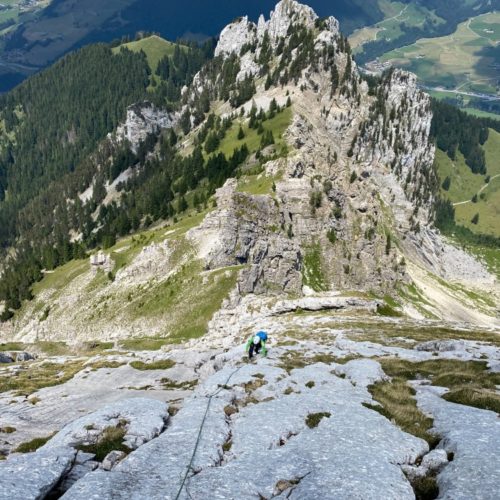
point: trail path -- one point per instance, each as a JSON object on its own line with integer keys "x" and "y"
{"x": 478, "y": 193}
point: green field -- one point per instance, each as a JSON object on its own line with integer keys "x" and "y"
{"x": 154, "y": 47}
{"x": 487, "y": 27}
{"x": 396, "y": 14}
{"x": 459, "y": 61}
{"x": 464, "y": 185}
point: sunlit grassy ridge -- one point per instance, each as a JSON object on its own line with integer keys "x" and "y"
{"x": 154, "y": 47}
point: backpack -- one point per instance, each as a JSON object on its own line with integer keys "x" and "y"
{"x": 262, "y": 335}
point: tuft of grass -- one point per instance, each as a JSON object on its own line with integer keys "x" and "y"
{"x": 470, "y": 384}
{"x": 230, "y": 410}
{"x": 7, "y": 429}
{"x": 310, "y": 384}
{"x": 163, "y": 364}
{"x": 184, "y": 386}
{"x": 389, "y": 311}
{"x": 110, "y": 440}
{"x": 479, "y": 398}
{"x": 313, "y": 419}
{"x": 38, "y": 376}
{"x": 254, "y": 385}
{"x": 425, "y": 488}
{"x": 33, "y": 445}
{"x": 399, "y": 405}
{"x": 54, "y": 348}
{"x": 143, "y": 344}
{"x": 12, "y": 346}
{"x": 105, "y": 364}
{"x": 292, "y": 360}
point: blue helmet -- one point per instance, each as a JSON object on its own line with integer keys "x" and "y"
{"x": 262, "y": 335}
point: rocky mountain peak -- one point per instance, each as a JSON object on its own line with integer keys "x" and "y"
{"x": 286, "y": 13}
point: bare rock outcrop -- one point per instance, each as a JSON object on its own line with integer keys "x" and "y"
{"x": 245, "y": 230}
{"x": 142, "y": 119}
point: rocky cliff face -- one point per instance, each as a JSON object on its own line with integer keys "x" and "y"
{"x": 142, "y": 119}
{"x": 359, "y": 171}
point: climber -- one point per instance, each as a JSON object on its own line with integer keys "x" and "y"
{"x": 256, "y": 343}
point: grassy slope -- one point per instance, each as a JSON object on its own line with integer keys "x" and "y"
{"x": 453, "y": 61}
{"x": 182, "y": 304}
{"x": 465, "y": 184}
{"x": 154, "y": 47}
{"x": 277, "y": 125}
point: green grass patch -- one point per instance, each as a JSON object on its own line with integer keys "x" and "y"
{"x": 54, "y": 348}
{"x": 33, "y": 445}
{"x": 388, "y": 310}
{"x": 393, "y": 333}
{"x": 171, "y": 385}
{"x": 38, "y": 376}
{"x": 97, "y": 365}
{"x": 12, "y": 346}
{"x": 111, "y": 440}
{"x": 464, "y": 184}
{"x": 313, "y": 419}
{"x": 153, "y": 46}
{"x": 188, "y": 299}
{"x": 143, "y": 344}
{"x": 259, "y": 184}
{"x": 480, "y": 113}
{"x": 163, "y": 364}
{"x": 398, "y": 404}
{"x": 312, "y": 273}
{"x": 470, "y": 383}
{"x": 61, "y": 277}
{"x": 276, "y": 125}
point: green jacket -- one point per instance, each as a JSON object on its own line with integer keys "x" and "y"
{"x": 263, "y": 344}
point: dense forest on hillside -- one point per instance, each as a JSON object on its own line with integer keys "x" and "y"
{"x": 52, "y": 141}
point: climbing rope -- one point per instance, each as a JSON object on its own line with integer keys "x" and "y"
{"x": 198, "y": 439}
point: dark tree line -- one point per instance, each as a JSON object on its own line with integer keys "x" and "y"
{"x": 455, "y": 131}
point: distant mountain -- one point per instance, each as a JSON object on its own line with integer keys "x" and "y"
{"x": 66, "y": 25}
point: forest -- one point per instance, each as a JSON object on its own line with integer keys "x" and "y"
{"x": 53, "y": 131}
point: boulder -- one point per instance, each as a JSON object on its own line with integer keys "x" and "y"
{"x": 112, "y": 459}
{"x": 5, "y": 358}
{"x": 24, "y": 356}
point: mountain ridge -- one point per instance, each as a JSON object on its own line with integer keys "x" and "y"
{"x": 300, "y": 200}
{"x": 349, "y": 199}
